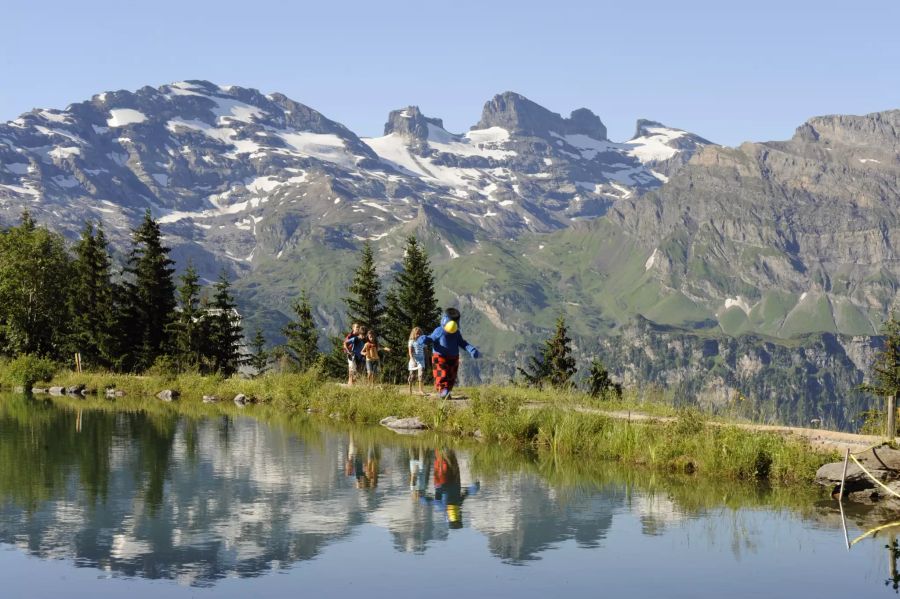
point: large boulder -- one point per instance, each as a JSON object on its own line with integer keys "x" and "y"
{"x": 210, "y": 399}
{"x": 75, "y": 390}
{"x": 882, "y": 462}
{"x": 56, "y": 390}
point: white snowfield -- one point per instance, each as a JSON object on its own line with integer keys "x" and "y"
{"x": 120, "y": 117}
{"x": 654, "y": 145}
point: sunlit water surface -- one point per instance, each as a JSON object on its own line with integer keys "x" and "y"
{"x": 114, "y": 504}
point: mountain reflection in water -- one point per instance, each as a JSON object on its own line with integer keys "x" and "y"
{"x": 158, "y": 495}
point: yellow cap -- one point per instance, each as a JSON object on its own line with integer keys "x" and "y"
{"x": 451, "y": 326}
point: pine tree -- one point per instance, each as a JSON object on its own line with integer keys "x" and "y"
{"x": 91, "y": 300}
{"x": 302, "y": 346}
{"x": 410, "y": 302}
{"x": 555, "y": 365}
{"x": 259, "y": 357}
{"x": 34, "y": 275}
{"x": 599, "y": 381}
{"x": 364, "y": 302}
{"x": 224, "y": 347}
{"x": 150, "y": 296}
{"x": 886, "y": 365}
{"x": 189, "y": 331}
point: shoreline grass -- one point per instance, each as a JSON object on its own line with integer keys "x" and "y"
{"x": 495, "y": 414}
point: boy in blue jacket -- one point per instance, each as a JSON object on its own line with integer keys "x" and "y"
{"x": 445, "y": 343}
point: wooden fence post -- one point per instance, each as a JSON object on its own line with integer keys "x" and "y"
{"x": 891, "y": 417}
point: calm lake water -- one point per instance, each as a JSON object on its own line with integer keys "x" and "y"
{"x": 99, "y": 503}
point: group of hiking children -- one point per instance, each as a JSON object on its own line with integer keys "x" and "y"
{"x": 362, "y": 349}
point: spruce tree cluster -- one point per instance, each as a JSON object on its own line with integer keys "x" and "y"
{"x": 54, "y": 305}
{"x": 410, "y": 301}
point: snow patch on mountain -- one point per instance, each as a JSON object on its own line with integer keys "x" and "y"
{"x": 654, "y": 146}
{"x": 122, "y": 117}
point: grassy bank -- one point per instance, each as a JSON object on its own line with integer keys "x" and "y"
{"x": 495, "y": 414}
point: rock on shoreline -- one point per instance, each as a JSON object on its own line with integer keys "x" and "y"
{"x": 883, "y": 462}
{"x": 403, "y": 424}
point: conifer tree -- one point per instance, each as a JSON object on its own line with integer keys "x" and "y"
{"x": 91, "y": 299}
{"x": 599, "y": 381}
{"x": 149, "y": 296}
{"x": 555, "y": 365}
{"x": 34, "y": 271}
{"x": 302, "y": 345}
{"x": 259, "y": 357}
{"x": 409, "y": 303}
{"x": 364, "y": 302}
{"x": 190, "y": 327}
{"x": 224, "y": 346}
{"x": 886, "y": 365}
{"x": 335, "y": 361}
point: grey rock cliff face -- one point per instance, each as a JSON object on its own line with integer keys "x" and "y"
{"x": 519, "y": 115}
{"x": 815, "y": 217}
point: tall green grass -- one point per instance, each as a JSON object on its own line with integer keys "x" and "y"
{"x": 542, "y": 422}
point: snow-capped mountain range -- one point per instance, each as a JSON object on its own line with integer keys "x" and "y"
{"x": 213, "y": 163}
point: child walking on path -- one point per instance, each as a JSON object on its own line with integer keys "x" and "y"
{"x": 446, "y": 341}
{"x": 416, "y": 359}
{"x": 353, "y": 346}
{"x": 373, "y": 360}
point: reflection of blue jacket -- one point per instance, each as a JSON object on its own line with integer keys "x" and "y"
{"x": 448, "y": 344}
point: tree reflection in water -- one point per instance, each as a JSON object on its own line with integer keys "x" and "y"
{"x": 154, "y": 494}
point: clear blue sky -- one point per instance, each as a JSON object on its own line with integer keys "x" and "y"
{"x": 731, "y": 71}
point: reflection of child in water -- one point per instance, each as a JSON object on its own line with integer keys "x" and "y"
{"x": 418, "y": 473}
{"x": 366, "y": 473}
{"x": 448, "y": 491}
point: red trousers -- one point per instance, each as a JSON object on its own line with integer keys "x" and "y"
{"x": 445, "y": 369}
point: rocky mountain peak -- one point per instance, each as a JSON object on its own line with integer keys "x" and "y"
{"x": 519, "y": 115}
{"x": 585, "y": 122}
{"x": 644, "y": 126}
{"x": 878, "y": 128}
{"x": 411, "y": 123}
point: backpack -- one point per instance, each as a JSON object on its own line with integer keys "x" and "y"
{"x": 348, "y": 347}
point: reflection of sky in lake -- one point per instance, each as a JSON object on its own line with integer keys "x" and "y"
{"x": 236, "y": 507}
